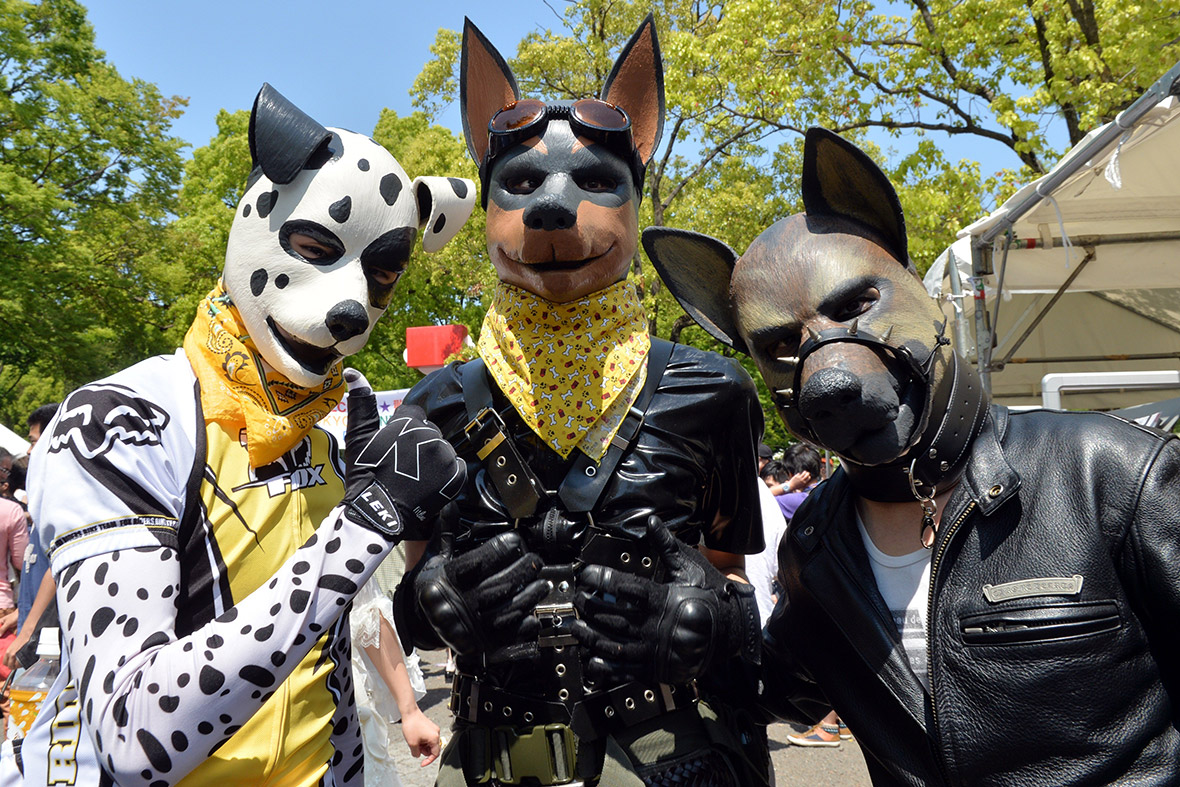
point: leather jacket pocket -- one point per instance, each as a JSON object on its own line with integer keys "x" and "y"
{"x": 1040, "y": 624}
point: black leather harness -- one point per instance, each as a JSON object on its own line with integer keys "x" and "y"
{"x": 559, "y": 525}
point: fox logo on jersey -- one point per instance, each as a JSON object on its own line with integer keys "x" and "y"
{"x": 94, "y": 418}
{"x": 293, "y": 470}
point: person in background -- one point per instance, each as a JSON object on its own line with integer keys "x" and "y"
{"x": 17, "y": 473}
{"x": 765, "y": 454}
{"x": 6, "y": 459}
{"x": 38, "y": 420}
{"x": 762, "y": 568}
{"x": 34, "y": 603}
{"x": 802, "y": 464}
{"x": 14, "y": 535}
{"x": 388, "y": 687}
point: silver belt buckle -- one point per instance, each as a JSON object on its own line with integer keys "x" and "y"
{"x": 554, "y": 618}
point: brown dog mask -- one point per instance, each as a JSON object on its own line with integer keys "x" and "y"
{"x": 562, "y": 208}
{"x": 832, "y": 311}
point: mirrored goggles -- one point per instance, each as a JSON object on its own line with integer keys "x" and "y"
{"x": 601, "y": 121}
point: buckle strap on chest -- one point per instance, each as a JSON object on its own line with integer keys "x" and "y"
{"x": 519, "y": 487}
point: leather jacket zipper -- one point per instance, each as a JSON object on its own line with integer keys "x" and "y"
{"x": 934, "y": 561}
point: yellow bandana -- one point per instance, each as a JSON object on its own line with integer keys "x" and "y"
{"x": 571, "y": 370}
{"x": 237, "y": 389}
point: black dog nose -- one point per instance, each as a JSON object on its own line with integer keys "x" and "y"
{"x": 828, "y": 393}
{"x": 549, "y": 213}
{"x": 346, "y": 320}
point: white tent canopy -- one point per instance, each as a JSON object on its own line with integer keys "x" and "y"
{"x": 1088, "y": 259}
{"x": 12, "y": 441}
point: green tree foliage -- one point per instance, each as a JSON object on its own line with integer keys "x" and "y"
{"x": 87, "y": 178}
{"x": 214, "y": 181}
{"x": 105, "y": 258}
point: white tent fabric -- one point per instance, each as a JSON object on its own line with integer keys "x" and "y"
{"x": 12, "y": 441}
{"x": 1117, "y": 218}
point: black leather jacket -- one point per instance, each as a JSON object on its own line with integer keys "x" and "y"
{"x": 1040, "y": 685}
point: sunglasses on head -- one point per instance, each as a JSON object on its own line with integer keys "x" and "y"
{"x": 592, "y": 118}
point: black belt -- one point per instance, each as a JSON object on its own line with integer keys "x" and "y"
{"x": 595, "y": 715}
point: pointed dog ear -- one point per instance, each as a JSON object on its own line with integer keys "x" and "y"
{"x": 696, "y": 269}
{"x": 444, "y": 205}
{"x": 636, "y": 83}
{"x": 486, "y": 85}
{"x": 282, "y": 136}
{"x": 840, "y": 180}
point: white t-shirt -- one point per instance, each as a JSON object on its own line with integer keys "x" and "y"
{"x": 904, "y": 583}
{"x": 763, "y": 567}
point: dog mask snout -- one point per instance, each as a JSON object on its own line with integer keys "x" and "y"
{"x": 841, "y": 405}
{"x": 550, "y": 212}
{"x": 829, "y": 393}
{"x": 346, "y": 320}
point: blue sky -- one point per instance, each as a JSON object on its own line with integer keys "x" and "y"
{"x": 341, "y": 61}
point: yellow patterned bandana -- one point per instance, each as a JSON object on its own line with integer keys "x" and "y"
{"x": 237, "y": 389}
{"x": 571, "y": 370}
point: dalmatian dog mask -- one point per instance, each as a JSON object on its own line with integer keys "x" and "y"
{"x": 322, "y": 234}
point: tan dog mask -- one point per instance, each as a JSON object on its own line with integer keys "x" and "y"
{"x": 562, "y": 202}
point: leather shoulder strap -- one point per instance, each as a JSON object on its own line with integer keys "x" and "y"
{"x": 477, "y": 392}
{"x": 583, "y": 484}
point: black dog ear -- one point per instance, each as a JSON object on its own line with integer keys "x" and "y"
{"x": 486, "y": 85}
{"x": 840, "y": 180}
{"x": 696, "y": 269}
{"x": 282, "y": 136}
{"x": 636, "y": 83}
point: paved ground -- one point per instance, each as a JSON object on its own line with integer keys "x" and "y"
{"x": 794, "y": 765}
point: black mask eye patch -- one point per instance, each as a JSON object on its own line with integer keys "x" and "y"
{"x": 317, "y": 232}
{"x": 388, "y": 253}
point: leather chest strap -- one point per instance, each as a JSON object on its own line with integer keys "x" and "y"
{"x": 583, "y": 484}
{"x": 518, "y": 485}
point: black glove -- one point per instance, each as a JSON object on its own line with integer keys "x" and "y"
{"x": 663, "y": 632}
{"x": 482, "y": 601}
{"x": 401, "y": 472}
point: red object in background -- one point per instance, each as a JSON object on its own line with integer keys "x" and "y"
{"x": 429, "y": 346}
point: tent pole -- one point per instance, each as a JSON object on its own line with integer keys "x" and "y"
{"x": 981, "y": 266}
{"x": 1090, "y": 255}
{"x": 957, "y": 306}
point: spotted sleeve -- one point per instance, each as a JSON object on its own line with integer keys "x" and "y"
{"x": 156, "y": 705}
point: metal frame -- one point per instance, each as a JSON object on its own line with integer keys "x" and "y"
{"x": 1054, "y": 385}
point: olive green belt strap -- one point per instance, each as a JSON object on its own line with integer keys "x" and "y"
{"x": 470, "y": 757}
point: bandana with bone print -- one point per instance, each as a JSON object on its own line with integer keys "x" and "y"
{"x": 572, "y": 370}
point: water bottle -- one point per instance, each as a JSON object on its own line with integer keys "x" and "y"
{"x": 28, "y": 689}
